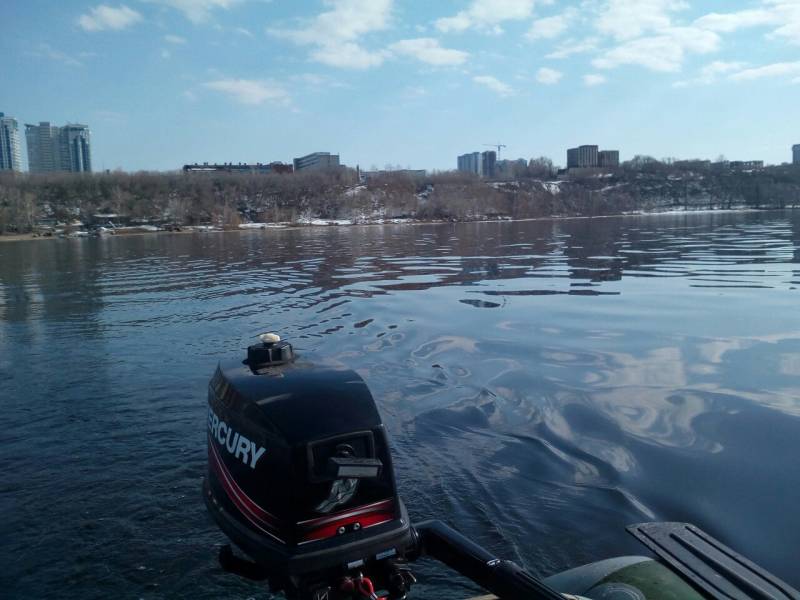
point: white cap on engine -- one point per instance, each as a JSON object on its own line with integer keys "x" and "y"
{"x": 269, "y": 338}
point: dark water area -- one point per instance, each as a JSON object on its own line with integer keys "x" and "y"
{"x": 544, "y": 383}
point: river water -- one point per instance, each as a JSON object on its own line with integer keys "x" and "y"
{"x": 545, "y": 384}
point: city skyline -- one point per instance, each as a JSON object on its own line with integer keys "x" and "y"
{"x": 408, "y": 83}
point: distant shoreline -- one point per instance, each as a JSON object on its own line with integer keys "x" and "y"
{"x": 335, "y": 223}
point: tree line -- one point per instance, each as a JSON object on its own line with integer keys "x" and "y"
{"x": 227, "y": 199}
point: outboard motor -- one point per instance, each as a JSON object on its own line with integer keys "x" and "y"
{"x": 300, "y": 476}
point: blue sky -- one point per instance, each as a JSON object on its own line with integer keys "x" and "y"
{"x": 406, "y": 82}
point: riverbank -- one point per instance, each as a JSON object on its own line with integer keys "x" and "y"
{"x": 320, "y": 223}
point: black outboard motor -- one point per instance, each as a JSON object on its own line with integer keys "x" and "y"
{"x": 299, "y": 473}
{"x": 300, "y": 478}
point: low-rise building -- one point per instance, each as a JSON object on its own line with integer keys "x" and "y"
{"x": 273, "y": 167}
{"x": 317, "y": 161}
{"x": 693, "y": 165}
{"x": 746, "y": 165}
{"x": 413, "y": 173}
{"x": 508, "y": 169}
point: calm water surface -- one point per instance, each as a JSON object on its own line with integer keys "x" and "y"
{"x": 545, "y": 384}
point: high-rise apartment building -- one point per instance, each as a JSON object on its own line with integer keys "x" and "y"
{"x": 608, "y": 159}
{"x": 489, "y": 163}
{"x": 796, "y": 154}
{"x": 317, "y": 160}
{"x": 10, "y": 153}
{"x": 470, "y": 163}
{"x": 482, "y": 164}
{"x": 52, "y": 148}
{"x": 582, "y": 157}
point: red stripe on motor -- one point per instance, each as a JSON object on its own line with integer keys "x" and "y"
{"x": 249, "y": 509}
{"x": 332, "y": 529}
{"x": 382, "y": 506}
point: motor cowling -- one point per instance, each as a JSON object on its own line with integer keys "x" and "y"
{"x": 300, "y": 475}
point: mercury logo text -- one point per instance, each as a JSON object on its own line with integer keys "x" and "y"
{"x": 235, "y": 443}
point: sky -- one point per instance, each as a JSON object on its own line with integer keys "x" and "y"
{"x": 409, "y": 83}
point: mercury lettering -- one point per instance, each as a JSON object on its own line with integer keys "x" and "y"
{"x": 235, "y": 443}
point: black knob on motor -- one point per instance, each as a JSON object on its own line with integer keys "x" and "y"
{"x": 270, "y": 352}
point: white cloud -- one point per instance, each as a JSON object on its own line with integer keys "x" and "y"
{"x": 710, "y": 73}
{"x": 783, "y": 15}
{"x": 165, "y": 54}
{"x": 486, "y": 15}
{"x": 348, "y": 55}
{"x": 593, "y": 79}
{"x": 574, "y": 46}
{"x": 336, "y": 33}
{"x": 47, "y": 51}
{"x": 104, "y": 17}
{"x": 628, "y": 19}
{"x": 244, "y": 31}
{"x": 787, "y": 69}
{"x": 250, "y": 91}
{"x": 548, "y": 76}
{"x": 663, "y": 52}
{"x": 493, "y": 84}
{"x": 430, "y": 51}
{"x": 550, "y": 27}
{"x": 729, "y": 22}
{"x": 789, "y": 19}
{"x": 174, "y": 39}
{"x": 197, "y": 11}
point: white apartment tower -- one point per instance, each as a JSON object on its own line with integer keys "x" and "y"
{"x": 10, "y": 153}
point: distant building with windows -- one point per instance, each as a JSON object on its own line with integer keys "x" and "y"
{"x": 52, "y": 148}
{"x": 412, "y": 173}
{"x": 591, "y": 157}
{"x": 482, "y": 164}
{"x": 489, "y": 164}
{"x": 509, "y": 169}
{"x": 317, "y": 161}
{"x": 608, "y": 159}
{"x": 273, "y": 167}
{"x": 10, "y": 152}
{"x": 470, "y": 163}
{"x": 746, "y": 165}
{"x": 796, "y": 154}
{"x": 582, "y": 157}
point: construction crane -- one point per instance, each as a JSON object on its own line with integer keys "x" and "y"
{"x": 498, "y": 146}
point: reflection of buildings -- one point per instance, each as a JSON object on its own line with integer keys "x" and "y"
{"x": 52, "y": 148}
{"x": 10, "y": 153}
